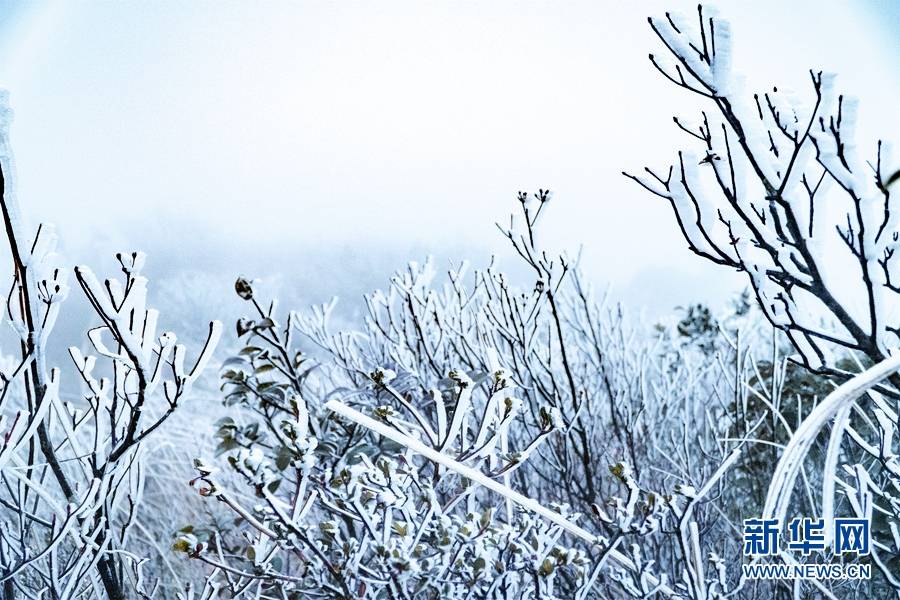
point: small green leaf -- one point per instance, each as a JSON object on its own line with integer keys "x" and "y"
{"x": 485, "y": 520}
{"x": 266, "y": 323}
{"x": 283, "y": 459}
{"x": 546, "y": 567}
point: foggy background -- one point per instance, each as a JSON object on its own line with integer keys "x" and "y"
{"x": 321, "y": 145}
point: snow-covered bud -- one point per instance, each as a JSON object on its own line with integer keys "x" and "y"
{"x": 243, "y": 288}
{"x": 383, "y": 376}
{"x": 132, "y": 262}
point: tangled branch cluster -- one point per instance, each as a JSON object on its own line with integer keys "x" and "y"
{"x": 73, "y": 470}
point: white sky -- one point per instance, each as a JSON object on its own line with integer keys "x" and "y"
{"x": 339, "y": 130}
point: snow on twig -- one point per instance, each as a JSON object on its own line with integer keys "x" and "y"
{"x": 480, "y": 478}
{"x": 782, "y": 485}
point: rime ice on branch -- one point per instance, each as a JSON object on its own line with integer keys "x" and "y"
{"x": 779, "y": 192}
{"x": 74, "y": 471}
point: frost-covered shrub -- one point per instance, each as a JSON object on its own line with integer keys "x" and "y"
{"x": 72, "y": 451}
{"x": 342, "y": 512}
{"x": 782, "y": 194}
{"x": 545, "y": 390}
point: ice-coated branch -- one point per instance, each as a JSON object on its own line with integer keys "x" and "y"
{"x": 67, "y": 516}
{"x": 464, "y": 470}
{"x": 481, "y": 479}
{"x": 750, "y": 202}
{"x": 785, "y": 476}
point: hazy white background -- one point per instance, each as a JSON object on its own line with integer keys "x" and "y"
{"x": 333, "y": 141}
